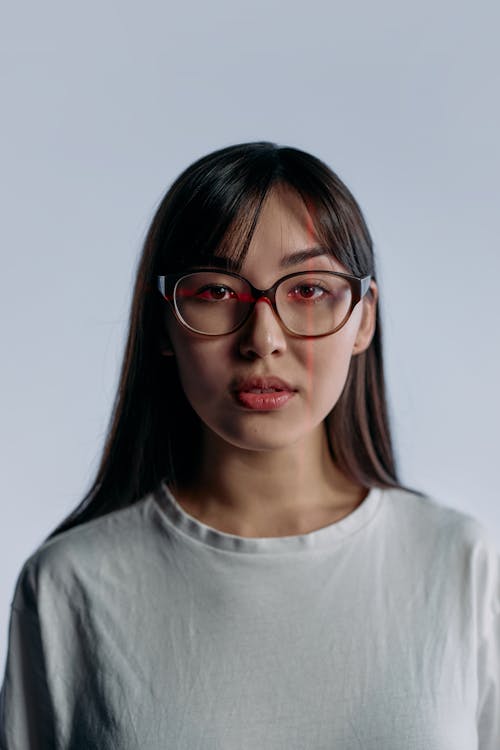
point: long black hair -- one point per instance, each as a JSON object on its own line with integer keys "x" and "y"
{"x": 212, "y": 209}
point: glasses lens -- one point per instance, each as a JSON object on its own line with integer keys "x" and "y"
{"x": 212, "y": 302}
{"x": 314, "y": 303}
{"x": 309, "y": 304}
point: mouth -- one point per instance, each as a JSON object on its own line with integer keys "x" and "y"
{"x": 263, "y": 390}
{"x": 262, "y": 384}
{"x": 258, "y": 399}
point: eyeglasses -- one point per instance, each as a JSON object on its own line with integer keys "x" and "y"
{"x": 308, "y": 303}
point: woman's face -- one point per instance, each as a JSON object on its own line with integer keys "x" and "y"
{"x": 316, "y": 368}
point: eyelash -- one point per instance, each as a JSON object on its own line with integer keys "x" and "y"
{"x": 299, "y": 286}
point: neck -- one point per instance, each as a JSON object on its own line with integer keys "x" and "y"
{"x": 279, "y": 492}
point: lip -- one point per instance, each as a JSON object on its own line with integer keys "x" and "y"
{"x": 263, "y": 382}
{"x": 263, "y": 401}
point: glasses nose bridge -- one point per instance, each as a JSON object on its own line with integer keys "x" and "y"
{"x": 267, "y": 294}
{"x": 261, "y": 330}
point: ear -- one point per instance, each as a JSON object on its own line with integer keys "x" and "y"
{"x": 366, "y": 328}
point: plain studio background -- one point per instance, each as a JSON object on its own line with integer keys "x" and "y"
{"x": 105, "y": 103}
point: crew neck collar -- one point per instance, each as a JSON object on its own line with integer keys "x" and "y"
{"x": 322, "y": 538}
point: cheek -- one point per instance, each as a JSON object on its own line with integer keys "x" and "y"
{"x": 329, "y": 358}
{"x": 326, "y": 368}
{"x": 203, "y": 371}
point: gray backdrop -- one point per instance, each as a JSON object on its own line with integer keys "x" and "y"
{"x": 105, "y": 103}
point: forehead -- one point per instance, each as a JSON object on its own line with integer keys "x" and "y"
{"x": 285, "y": 238}
{"x": 284, "y": 219}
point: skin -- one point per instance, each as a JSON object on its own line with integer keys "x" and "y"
{"x": 269, "y": 474}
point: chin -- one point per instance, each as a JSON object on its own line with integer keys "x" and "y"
{"x": 262, "y": 446}
{"x": 263, "y": 438}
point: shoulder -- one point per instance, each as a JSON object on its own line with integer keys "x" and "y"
{"x": 423, "y": 519}
{"x": 446, "y": 547}
{"x": 426, "y": 512}
{"x": 82, "y": 554}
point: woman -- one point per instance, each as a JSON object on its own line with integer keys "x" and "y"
{"x": 247, "y": 570}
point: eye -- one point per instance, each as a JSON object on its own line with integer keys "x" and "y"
{"x": 215, "y": 293}
{"x": 314, "y": 292}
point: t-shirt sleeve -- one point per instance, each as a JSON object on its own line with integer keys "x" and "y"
{"x": 26, "y": 713}
{"x": 488, "y": 708}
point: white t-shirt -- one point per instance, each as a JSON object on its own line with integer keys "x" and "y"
{"x": 148, "y": 630}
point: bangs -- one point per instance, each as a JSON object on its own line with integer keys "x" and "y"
{"x": 213, "y": 209}
{"x": 235, "y": 242}
{"x": 324, "y": 225}
{"x": 332, "y": 223}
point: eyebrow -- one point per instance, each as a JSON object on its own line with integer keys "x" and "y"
{"x": 301, "y": 255}
{"x": 287, "y": 261}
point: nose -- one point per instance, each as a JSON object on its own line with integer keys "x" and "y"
{"x": 263, "y": 333}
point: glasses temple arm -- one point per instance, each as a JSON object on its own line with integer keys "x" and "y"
{"x": 365, "y": 285}
{"x": 161, "y": 284}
